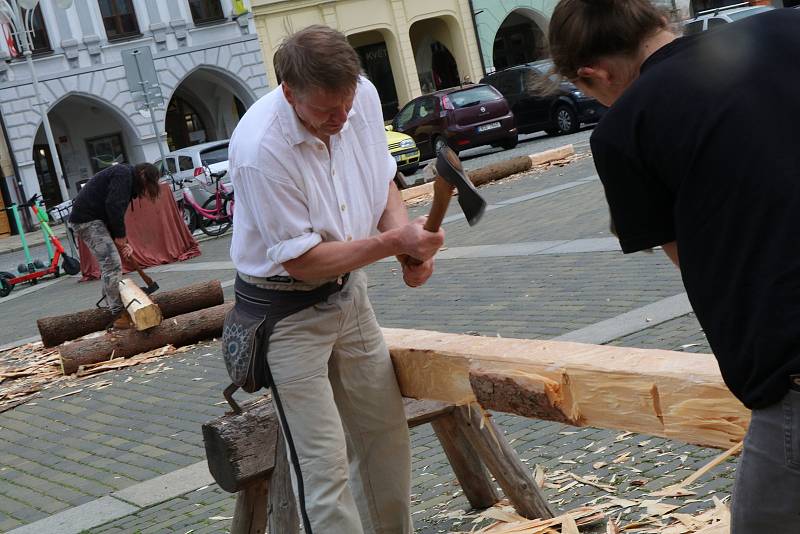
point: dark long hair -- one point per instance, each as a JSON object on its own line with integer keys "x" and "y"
{"x": 149, "y": 176}
{"x": 582, "y": 31}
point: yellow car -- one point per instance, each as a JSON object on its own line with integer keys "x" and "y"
{"x": 404, "y": 150}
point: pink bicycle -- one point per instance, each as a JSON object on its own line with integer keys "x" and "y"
{"x": 215, "y": 216}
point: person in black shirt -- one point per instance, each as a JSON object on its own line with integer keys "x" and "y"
{"x": 699, "y": 154}
{"x": 98, "y": 219}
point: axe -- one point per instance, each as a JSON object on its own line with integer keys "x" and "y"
{"x": 450, "y": 175}
{"x": 150, "y": 285}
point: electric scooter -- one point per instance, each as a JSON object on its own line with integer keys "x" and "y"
{"x": 35, "y": 269}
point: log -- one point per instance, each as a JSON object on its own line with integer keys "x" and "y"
{"x": 240, "y": 447}
{"x": 467, "y": 466}
{"x": 503, "y": 169}
{"x": 178, "y": 331}
{"x": 143, "y": 313}
{"x": 663, "y": 393}
{"x": 554, "y": 154}
{"x": 250, "y": 513}
{"x": 283, "y": 515}
{"x": 509, "y": 471}
{"x": 500, "y": 170}
{"x": 58, "y": 329}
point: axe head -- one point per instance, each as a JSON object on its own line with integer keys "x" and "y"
{"x": 449, "y": 167}
{"x": 149, "y": 289}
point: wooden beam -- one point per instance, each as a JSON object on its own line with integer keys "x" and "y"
{"x": 664, "y": 393}
{"x": 143, "y": 312}
{"x": 60, "y": 328}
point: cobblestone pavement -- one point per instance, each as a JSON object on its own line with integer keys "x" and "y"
{"x": 132, "y": 425}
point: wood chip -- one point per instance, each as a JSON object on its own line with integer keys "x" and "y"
{"x": 621, "y": 458}
{"x": 66, "y": 394}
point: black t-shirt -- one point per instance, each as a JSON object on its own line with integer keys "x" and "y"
{"x": 704, "y": 149}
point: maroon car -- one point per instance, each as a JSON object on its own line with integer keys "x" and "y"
{"x": 459, "y": 117}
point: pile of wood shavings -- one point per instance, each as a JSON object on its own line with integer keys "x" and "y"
{"x": 28, "y": 370}
{"x": 660, "y": 519}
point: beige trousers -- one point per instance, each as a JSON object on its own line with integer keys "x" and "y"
{"x": 338, "y": 398}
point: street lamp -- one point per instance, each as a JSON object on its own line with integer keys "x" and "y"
{"x": 11, "y": 12}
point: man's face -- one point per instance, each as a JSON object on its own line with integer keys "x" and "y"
{"x": 322, "y": 112}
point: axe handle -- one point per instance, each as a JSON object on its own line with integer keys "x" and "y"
{"x": 442, "y": 193}
{"x": 145, "y": 278}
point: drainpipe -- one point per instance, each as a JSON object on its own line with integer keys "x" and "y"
{"x": 477, "y": 38}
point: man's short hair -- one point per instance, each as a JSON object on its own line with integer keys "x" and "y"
{"x": 317, "y": 57}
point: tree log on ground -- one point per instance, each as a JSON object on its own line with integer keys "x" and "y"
{"x": 499, "y": 170}
{"x": 177, "y": 331}
{"x": 58, "y": 329}
{"x": 664, "y": 393}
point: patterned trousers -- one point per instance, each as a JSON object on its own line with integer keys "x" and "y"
{"x": 96, "y": 236}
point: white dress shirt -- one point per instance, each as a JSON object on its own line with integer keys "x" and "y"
{"x": 292, "y": 193}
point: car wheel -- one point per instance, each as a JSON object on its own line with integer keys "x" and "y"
{"x": 566, "y": 120}
{"x": 510, "y": 143}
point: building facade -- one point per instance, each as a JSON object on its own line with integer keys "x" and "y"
{"x": 209, "y": 70}
{"x": 407, "y": 47}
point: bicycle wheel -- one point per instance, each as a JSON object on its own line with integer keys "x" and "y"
{"x": 219, "y": 226}
{"x": 189, "y": 218}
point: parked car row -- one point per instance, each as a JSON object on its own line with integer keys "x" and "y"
{"x": 494, "y": 112}
{"x": 505, "y": 104}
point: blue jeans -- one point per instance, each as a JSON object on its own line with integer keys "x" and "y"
{"x": 766, "y": 496}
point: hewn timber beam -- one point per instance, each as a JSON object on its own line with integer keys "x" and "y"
{"x": 664, "y": 393}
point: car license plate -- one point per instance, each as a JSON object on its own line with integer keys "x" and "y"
{"x": 490, "y": 126}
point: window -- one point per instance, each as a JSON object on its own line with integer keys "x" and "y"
{"x": 106, "y": 151}
{"x": 204, "y": 11}
{"x": 473, "y": 96}
{"x": 39, "y": 38}
{"x": 217, "y": 154}
{"x": 186, "y": 163}
{"x": 425, "y": 106}
{"x": 404, "y": 117}
{"x": 510, "y": 83}
{"x": 170, "y": 166}
{"x": 119, "y": 19}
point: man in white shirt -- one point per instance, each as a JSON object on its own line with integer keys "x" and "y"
{"x": 315, "y": 200}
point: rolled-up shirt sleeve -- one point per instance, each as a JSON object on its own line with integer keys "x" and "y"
{"x": 279, "y": 210}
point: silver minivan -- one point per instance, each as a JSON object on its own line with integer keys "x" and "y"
{"x": 192, "y": 164}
